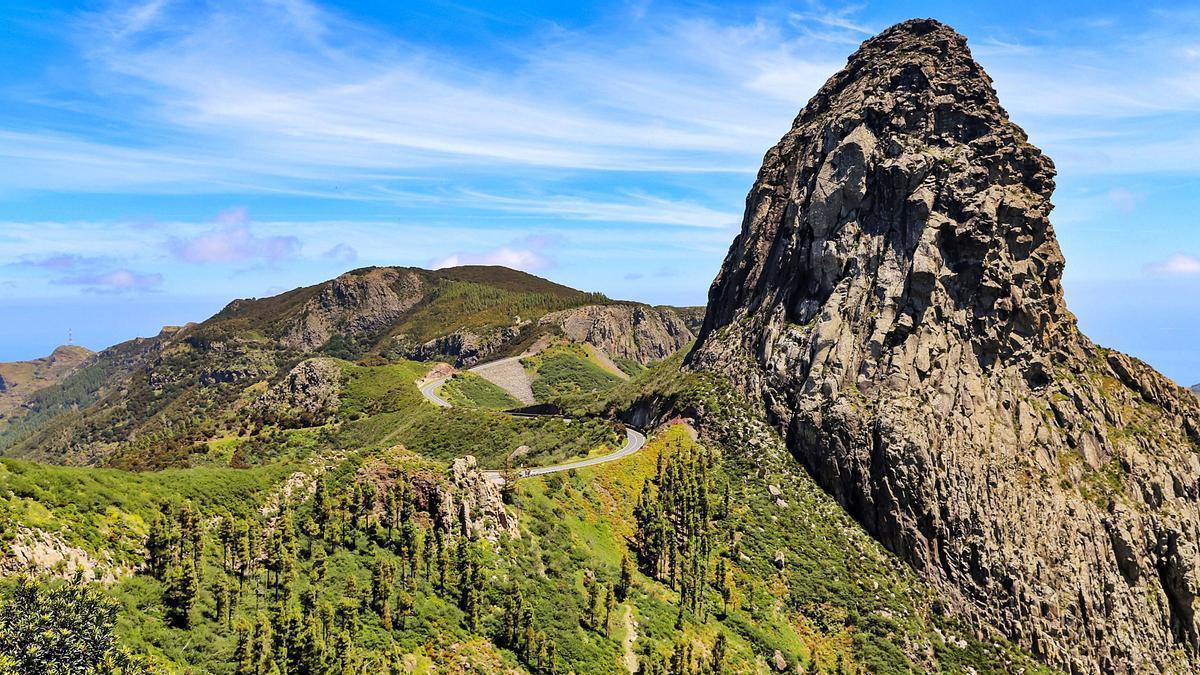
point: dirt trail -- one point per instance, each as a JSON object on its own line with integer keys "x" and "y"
{"x": 630, "y": 658}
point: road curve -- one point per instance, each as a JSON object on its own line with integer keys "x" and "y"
{"x": 634, "y": 441}
{"x": 429, "y": 391}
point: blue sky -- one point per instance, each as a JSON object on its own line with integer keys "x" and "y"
{"x": 160, "y": 158}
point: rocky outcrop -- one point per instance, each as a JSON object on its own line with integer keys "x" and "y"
{"x": 894, "y": 302}
{"x": 460, "y": 501}
{"x": 692, "y": 317}
{"x": 624, "y": 331}
{"x": 359, "y": 303}
{"x": 307, "y": 395}
{"x": 466, "y": 348}
{"x": 475, "y": 502}
{"x": 35, "y": 551}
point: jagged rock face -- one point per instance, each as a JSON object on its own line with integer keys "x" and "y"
{"x": 629, "y": 331}
{"x": 894, "y": 301}
{"x": 475, "y": 502}
{"x": 465, "y": 348}
{"x": 308, "y": 394}
{"x": 357, "y": 303}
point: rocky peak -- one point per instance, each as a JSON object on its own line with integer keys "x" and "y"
{"x": 894, "y": 301}
{"x": 904, "y": 180}
{"x": 357, "y": 303}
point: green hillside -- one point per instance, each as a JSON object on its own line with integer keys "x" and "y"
{"x": 567, "y": 370}
{"x": 466, "y": 389}
{"x": 331, "y": 553}
{"x": 145, "y": 404}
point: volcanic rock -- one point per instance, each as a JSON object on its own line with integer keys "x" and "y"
{"x": 894, "y": 302}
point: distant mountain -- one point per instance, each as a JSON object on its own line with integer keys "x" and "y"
{"x": 20, "y": 379}
{"x": 152, "y": 391}
{"x": 894, "y": 300}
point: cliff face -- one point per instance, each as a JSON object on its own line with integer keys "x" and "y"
{"x": 624, "y": 331}
{"x": 894, "y": 301}
{"x": 355, "y": 304}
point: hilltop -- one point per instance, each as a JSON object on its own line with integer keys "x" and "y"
{"x": 21, "y": 379}
{"x": 147, "y": 402}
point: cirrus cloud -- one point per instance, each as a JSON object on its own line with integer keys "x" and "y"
{"x": 1178, "y": 265}
{"x": 114, "y": 281}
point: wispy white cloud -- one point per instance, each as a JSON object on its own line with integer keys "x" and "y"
{"x": 528, "y": 254}
{"x": 321, "y": 97}
{"x": 516, "y": 258}
{"x": 233, "y": 242}
{"x": 113, "y": 281}
{"x": 1178, "y": 265}
{"x": 229, "y": 105}
{"x": 638, "y": 208}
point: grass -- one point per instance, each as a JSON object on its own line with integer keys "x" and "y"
{"x": 470, "y": 390}
{"x": 566, "y": 370}
{"x": 105, "y": 511}
{"x": 840, "y": 602}
{"x": 378, "y": 389}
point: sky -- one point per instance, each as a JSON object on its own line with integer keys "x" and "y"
{"x": 160, "y": 158}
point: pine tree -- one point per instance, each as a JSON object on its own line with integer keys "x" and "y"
{"x": 593, "y": 598}
{"x": 383, "y": 575}
{"x": 404, "y": 606}
{"x": 385, "y": 615}
{"x": 225, "y": 536}
{"x": 508, "y": 484}
{"x": 626, "y": 581}
{"x": 470, "y": 586}
{"x": 609, "y": 601}
{"x": 390, "y": 511}
{"x": 310, "y": 653}
{"x": 223, "y": 594}
{"x": 410, "y": 533}
{"x": 180, "y": 594}
{"x": 724, "y": 586}
{"x": 319, "y": 564}
{"x": 343, "y": 649}
{"x": 159, "y": 544}
{"x": 322, "y": 506}
{"x": 243, "y": 653}
{"x": 551, "y": 666}
{"x": 263, "y": 645}
{"x": 718, "y": 654}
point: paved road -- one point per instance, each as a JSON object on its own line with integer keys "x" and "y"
{"x": 634, "y": 440}
{"x": 429, "y": 391}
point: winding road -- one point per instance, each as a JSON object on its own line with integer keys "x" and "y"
{"x": 634, "y": 441}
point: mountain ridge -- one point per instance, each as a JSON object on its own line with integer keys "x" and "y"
{"x": 163, "y": 387}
